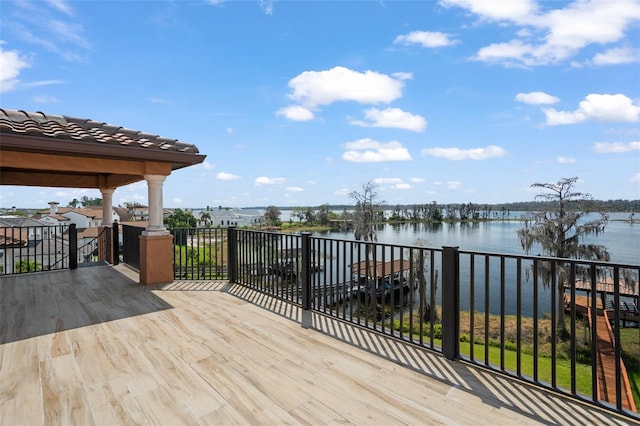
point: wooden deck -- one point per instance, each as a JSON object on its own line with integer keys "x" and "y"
{"x": 91, "y": 347}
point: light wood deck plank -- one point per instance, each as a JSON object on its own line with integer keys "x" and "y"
{"x": 107, "y": 351}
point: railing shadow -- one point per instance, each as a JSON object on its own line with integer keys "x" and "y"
{"x": 42, "y": 303}
{"x": 492, "y": 388}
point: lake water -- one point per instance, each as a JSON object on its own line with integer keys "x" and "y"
{"x": 620, "y": 237}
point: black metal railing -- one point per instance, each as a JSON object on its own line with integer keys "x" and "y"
{"x": 26, "y": 249}
{"x": 89, "y": 251}
{"x": 536, "y": 318}
{"x": 131, "y": 245}
{"x": 200, "y": 253}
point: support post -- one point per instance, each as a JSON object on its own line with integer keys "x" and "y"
{"x": 156, "y": 242}
{"x": 232, "y": 254}
{"x": 450, "y": 302}
{"x": 306, "y": 271}
{"x": 107, "y": 206}
{"x": 73, "y": 246}
{"x": 116, "y": 244}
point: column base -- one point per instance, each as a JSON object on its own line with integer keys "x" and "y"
{"x": 156, "y": 259}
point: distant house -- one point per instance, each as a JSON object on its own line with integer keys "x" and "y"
{"x": 29, "y": 239}
{"x": 139, "y": 213}
{"x": 225, "y": 217}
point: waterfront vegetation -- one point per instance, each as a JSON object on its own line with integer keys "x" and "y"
{"x": 199, "y": 254}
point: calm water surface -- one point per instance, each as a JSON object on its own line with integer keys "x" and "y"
{"x": 621, "y": 238}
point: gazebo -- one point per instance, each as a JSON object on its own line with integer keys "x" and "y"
{"x": 38, "y": 149}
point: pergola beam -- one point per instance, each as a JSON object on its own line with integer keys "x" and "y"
{"x": 65, "y": 180}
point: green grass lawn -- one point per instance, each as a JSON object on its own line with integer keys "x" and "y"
{"x": 630, "y": 343}
{"x": 527, "y": 361}
{"x": 629, "y": 339}
{"x": 563, "y": 366}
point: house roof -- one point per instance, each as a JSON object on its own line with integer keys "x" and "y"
{"x": 14, "y": 237}
{"x": 91, "y": 232}
{"x": 39, "y": 124}
{"x": 57, "y": 217}
{"x": 90, "y": 212}
{"x": 41, "y": 149}
{"x": 19, "y": 221}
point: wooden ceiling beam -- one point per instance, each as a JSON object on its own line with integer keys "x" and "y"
{"x": 65, "y": 180}
{"x": 86, "y": 165}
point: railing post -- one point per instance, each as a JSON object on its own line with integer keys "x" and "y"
{"x": 116, "y": 243}
{"x": 450, "y": 302}
{"x": 108, "y": 237}
{"x": 232, "y": 253}
{"x": 73, "y": 246}
{"x": 306, "y": 270}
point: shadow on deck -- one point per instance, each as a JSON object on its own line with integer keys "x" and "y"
{"x": 41, "y": 303}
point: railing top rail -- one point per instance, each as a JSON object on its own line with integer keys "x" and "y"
{"x": 553, "y": 259}
{"x": 468, "y": 252}
{"x": 375, "y": 243}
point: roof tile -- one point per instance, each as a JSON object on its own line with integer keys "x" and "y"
{"x": 20, "y": 122}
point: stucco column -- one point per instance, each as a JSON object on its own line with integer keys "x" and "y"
{"x": 156, "y": 225}
{"x": 107, "y": 222}
{"x": 156, "y": 242}
{"x": 107, "y": 206}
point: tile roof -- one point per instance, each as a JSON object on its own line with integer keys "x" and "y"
{"x": 39, "y": 124}
{"x": 57, "y": 217}
{"x": 14, "y": 237}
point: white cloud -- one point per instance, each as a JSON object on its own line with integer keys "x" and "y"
{"x": 372, "y": 151}
{"x": 387, "y": 181}
{"x": 536, "y": 98}
{"x": 392, "y": 118}
{"x": 454, "y": 184}
{"x": 262, "y": 180}
{"x": 616, "y": 56}
{"x": 635, "y": 178}
{"x": 616, "y": 147}
{"x": 595, "y": 107}
{"x": 403, "y": 75}
{"x": 293, "y": 189}
{"x": 176, "y": 200}
{"x": 425, "y": 39}
{"x": 513, "y": 53}
{"x": 393, "y": 183}
{"x": 296, "y": 113}
{"x": 46, "y": 99}
{"x": 548, "y": 36}
{"x": 207, "y": 165}
{"x": 226, "y": 176}
{"x": 61, "y": 6}
{"x": 490, "y": 151}
{"x": 11, "y": 64}
{"x": 229, "y": 130}
{"x": 342, "y": 191}
{"x": 315, "y": 88}
{"x": 267, "y": 6}
{"x": 45, "y": 27}
{"x": 565, "y": 160}
{"x": 417, "y": 180}
{"x": 43, "y": 83}
{"x": 496, "y": 10}
{"x": 156, "y": 100}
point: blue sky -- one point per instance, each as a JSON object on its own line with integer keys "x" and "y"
{"x": 297, "y": 103}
